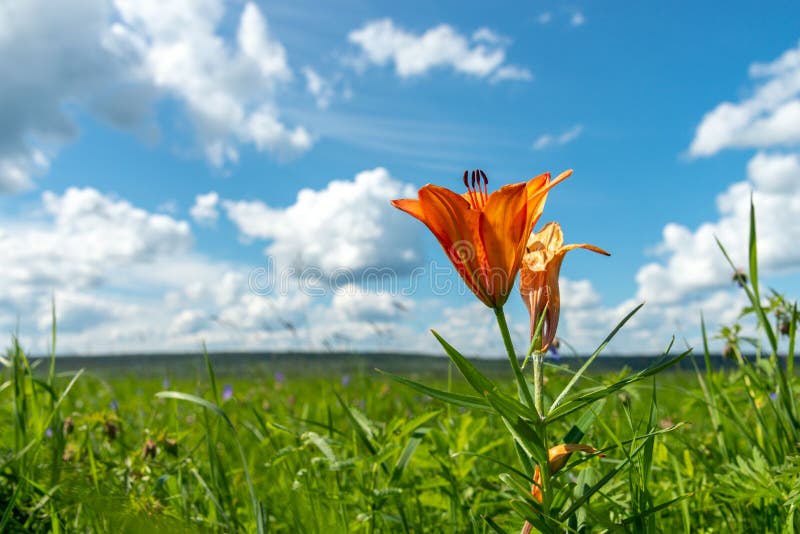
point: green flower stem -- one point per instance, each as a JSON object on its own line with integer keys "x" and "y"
{"x": 524, "y": 392}
{"x": 538, "y": 382}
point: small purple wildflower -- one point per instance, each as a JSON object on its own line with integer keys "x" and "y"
{"x": 773, "y": 395}
{"x": 48, "y": 433}
{"x": 114, "y": 405}
{"x": 227, "y": 392}
{"x": 279, "y": 378}
{"x": 554, "y": 351}
{"x": 345, "y": 380}
{"x": 165, "y": 383}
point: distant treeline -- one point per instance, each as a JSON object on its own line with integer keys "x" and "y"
{"x": 319, "y": 364}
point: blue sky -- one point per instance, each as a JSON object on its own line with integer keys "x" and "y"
{"x": 670, "y": 114}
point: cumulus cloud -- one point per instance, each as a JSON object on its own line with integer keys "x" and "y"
{"x": 551, "y": 140}
{"x": 694, "y": 262}
{"x": 692, "y": 276}
{"x": 769, "y": 117}
{"x": 544, "y": 18}
{"x": 127, "y": 280}
{"x": 472, "y": 329}
{"x": 81, "y": 238}
{"x": 76, "y": 246}
{"x": 228, "y": 91}
{"x": 114, "y": 60}
{"x": 347, "y": 225}
{"x": 357, "y": 303}
{"x": 205, "y": 210}
{"x": 585, "y": 325}
{"x": 51, "y": 59}
{"x": 482, "y": 56}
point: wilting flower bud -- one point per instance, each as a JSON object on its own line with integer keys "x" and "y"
{"x": 739, "y": 277}
{"x": 171, "y": 446}
{"x": 69, "y": 453}
{"x": 727, "y": 351}
{"x": 69, "y": 426}
{"x": 149, "y": 450}
{"x": 784, "y": 327}
{"x": 111, "y": 429}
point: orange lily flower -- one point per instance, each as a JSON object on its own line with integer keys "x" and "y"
{"x": 558, "y": 457}
{"x": 483, "y": 234}
{"x": 539, "y": 279}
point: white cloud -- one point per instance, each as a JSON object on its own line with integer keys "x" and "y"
{"x": 18, "y": 169}
{"x": 551, "y": 140}
{"x": 472, "y": 329}
{"x": 586, "y": 325}
{"x": 205, "y": 210}
{"x": 115, "y": 58}
{"x": 577, "y": 19}
{"x": 769, "y": 117}
{"x": 383, "y": 42}
{"x": 694, "y": 262}
{"x": 51, "y": 59}
{"x": 168, "y": 207}
{"x": 80, "y": 247}
{"x": 545, "y": 18}
{"x": 692, "y": 274}
{"x": 126, "y": 280}
{"x": 346, "y": 225}
{"x": 353, "y": 302}
{"x": 320, "y": 88}
{"x": 82, "y": 237}
{"x": 511, "y": 72}
{"x": 577, "y": 294}
{"x": 490, "y": 36}
{"x": 228, "y": 92}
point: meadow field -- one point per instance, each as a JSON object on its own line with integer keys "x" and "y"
{"x": 395, "y": 443}
{"x": 348, "y": 449}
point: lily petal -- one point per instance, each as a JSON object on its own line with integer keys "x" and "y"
{"x": 502, "y": 227}
{"x": 410, "y": 206}
{"x": 454, "y": 224}
{"x": 586, "y": 246}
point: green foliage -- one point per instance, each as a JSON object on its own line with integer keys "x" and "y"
{"x": 711, "y": 451}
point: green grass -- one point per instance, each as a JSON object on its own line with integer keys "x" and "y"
{"x": 374, "y": 456}
{"x": 714, "y": 450}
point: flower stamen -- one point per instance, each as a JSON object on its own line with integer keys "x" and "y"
{"x": 477, "y": 188}
{"x": 470, "y": 191}
{"x": 485, "y": 182}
